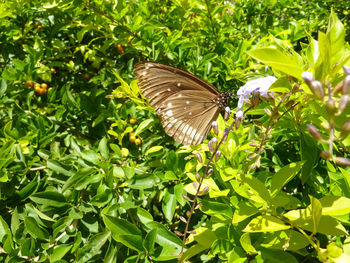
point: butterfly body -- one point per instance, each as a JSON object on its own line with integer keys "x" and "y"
{"x": 185, "y": 104}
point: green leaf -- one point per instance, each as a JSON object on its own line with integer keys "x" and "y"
{"x": 258, "y": 189}
{"x": 92, "y": 247}
{"x": 58, "y": 168}
{"x": 4, "y": 229}
{"x": 59, "y": 251}
{"x": 283, "y": 176}
{"x": 150, "y": 239}
{"x": 169, "y": 242}
{"x": 169, "y": 205}
{"x": 143, "y": 126}
{"x": 275, "y": 256}
{"x": 243, "y": 211}
{"x": 247, "y": 244}
{"x": 335, "y": 205}
{"x": 120, "y": 227}
{"x": 132, "y": 241}
{"x": 215, "y": 208}
{"x": 278, "y": 60}
{"x": 282, "y": 240}
{"x": 33, "y": 228}
{"x": 316, "y": 209}
{"x": 49, "y": 198}
{"x": 265, "y": 223}
{"x": 154, "y": 149}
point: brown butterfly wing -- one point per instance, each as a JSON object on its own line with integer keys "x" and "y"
{"x": 184, "y": 102}
{"x": 188, "y": 115}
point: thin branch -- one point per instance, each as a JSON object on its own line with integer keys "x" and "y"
{"x": 226, "y": 132}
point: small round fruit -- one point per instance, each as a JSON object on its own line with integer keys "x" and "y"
{"x": 37, "y": 85}
{"x": 86, "y": 76}
{"x": 42, "y": 91}
{"x": 107, "y": 63}
{"x": 43, "y": 85}
{"x": 29, "y": 83}
{"x": 132, "y": 121}
{"x": 133, "y": 139}
{"x": 53, "y": 70}
{"x": 120, "y": 49}
{"x": 138, "y": 141}
{"x": 37, "y": 89}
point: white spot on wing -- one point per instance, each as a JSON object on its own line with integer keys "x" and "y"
{"x": 157, "y": 94}
{"x": 187, "y": 102}
{"x": 180, "y": 95}
{"x": 179, "y": 84}
{"x": 168, "y": 89}
{"x": 190, "y": 113}
{"x": 169, "y": 113}
{"x": 144, "y": 73}
{"x": 170, "y": 104}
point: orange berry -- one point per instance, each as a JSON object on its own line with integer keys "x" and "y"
{"x": 43, "y": 85}
{"x": 132, "y": 121}
{"x": 132, "y": 139}
{"x": 120, "y": 49}
{"x": 29, "y": 83}
{"x": 43, "y": 91}
{"x": 86, "y": 76}
{"x": 37, "y": 89}
{"x": 138, "y": 141}
{"x": 107, "y": 63}
{"x": 53, "y": 70}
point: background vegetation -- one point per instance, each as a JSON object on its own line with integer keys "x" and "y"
{"x": 87, "y": 173}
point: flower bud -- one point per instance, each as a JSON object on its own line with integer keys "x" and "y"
{"x": 183, "y": 219}
{"x": 338, "y": 87}
{"x": 214, "y": 124}
{"x": 255, "y": 98}
{"x": 325, "y": 155}
{"x": 198, "y": 176}
{"x": 345, "y": 130}
{"x": 227, "y": 113}
{"x": 178, "y": 233}
{"x": 192, "y": 232}
{"x": 346, "y": 70}
{"x": 199, "y": 157}
{"x": 346, "y": 85}
{"x": 187, "y": 198}
{"x": 238, "y": 122}
{"x": 205, "y": 190}
{"x": 252, "y": 156}
{"x": 330, "y": 106}
{"x": 210, "y": 171}
{"x": 253, "y": 143}
{"x": 342, "y": 161}
{"x": 224, "y": 137}
{"x": 215, "y": 142}
{"x": 210, "y": 146}
{"x": 195, "y": 185}
{"x": 198, "y": 206}
{"x": 217, "y": 155}
{"x": 314, "y": 132}
{"x": 317, "y": 89}
{"x": 343, "y": 102}
{"x": 308, "y": 77}
{"x": 290, "y": 103}
{"x": 267, "y": 111}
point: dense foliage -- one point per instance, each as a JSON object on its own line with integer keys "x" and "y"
{"x": 87, "y": 173}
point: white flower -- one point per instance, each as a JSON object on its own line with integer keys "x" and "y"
{"x": 260, "y": 85}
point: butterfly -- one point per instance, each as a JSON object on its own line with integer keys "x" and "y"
{"x": 186, "y": 105}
